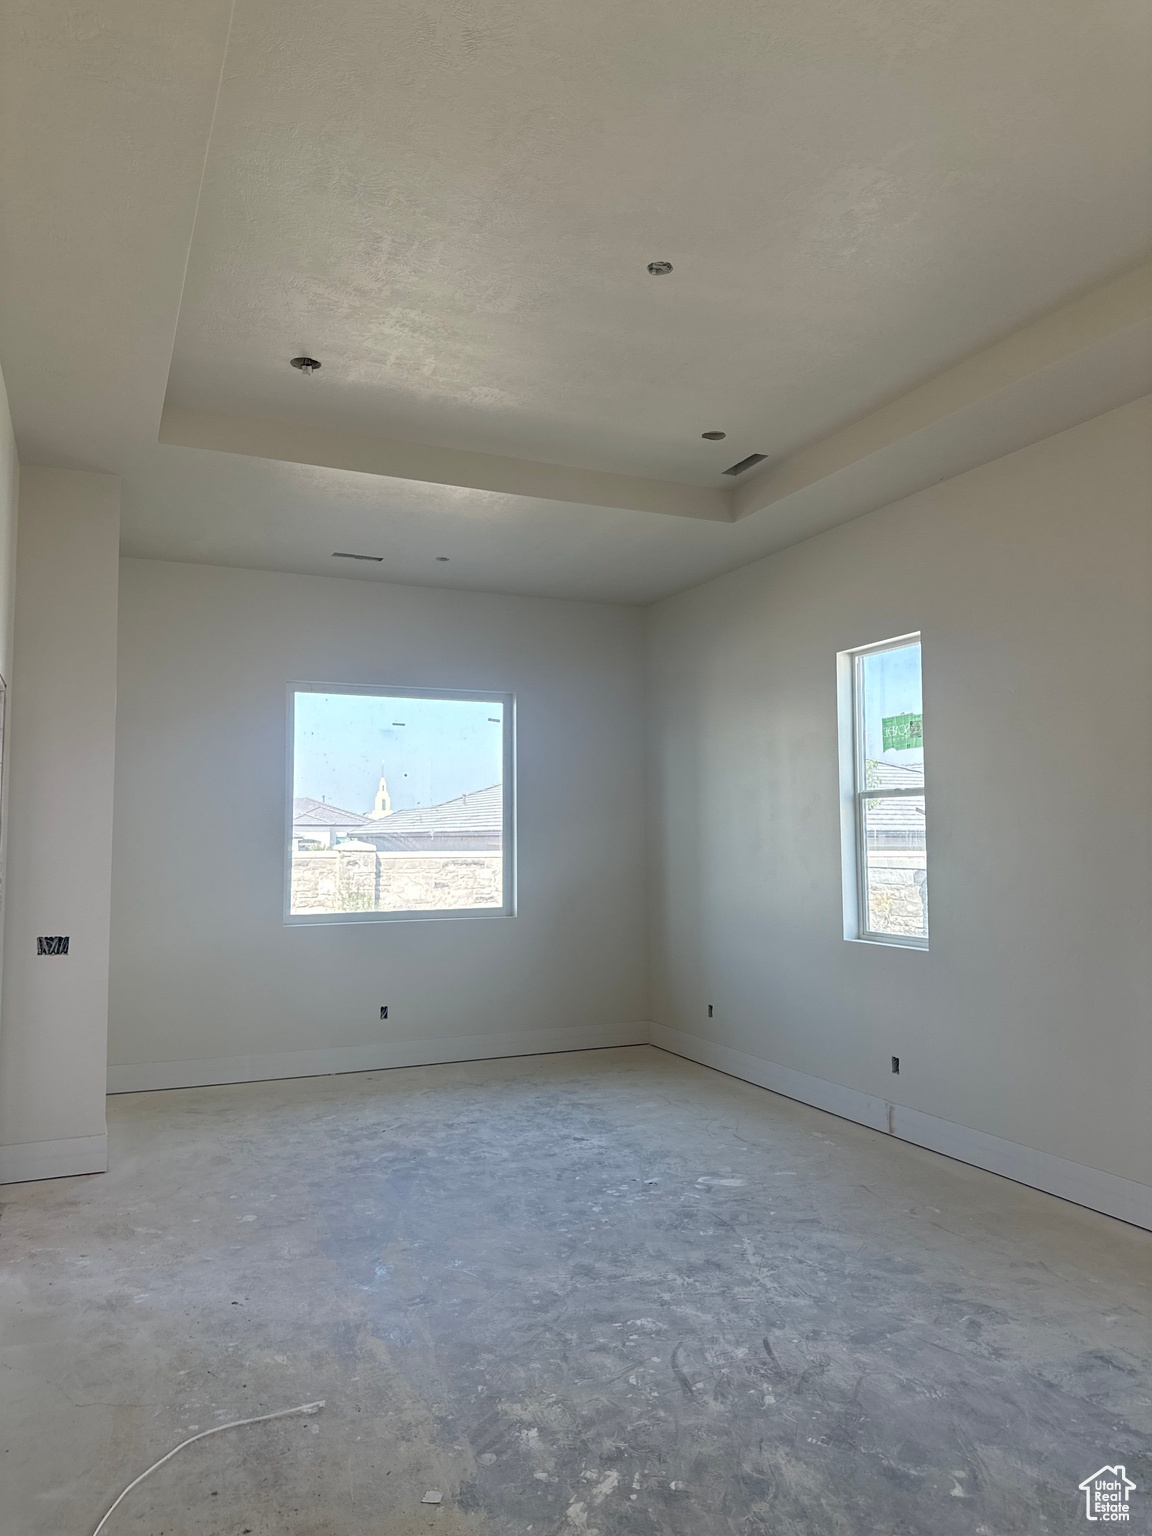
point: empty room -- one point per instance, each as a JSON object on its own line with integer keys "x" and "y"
{"x": 575, "y": 768}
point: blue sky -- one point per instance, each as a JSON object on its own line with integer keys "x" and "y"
{"x": 431, "y": 749}
{"x": 891, "y": 687}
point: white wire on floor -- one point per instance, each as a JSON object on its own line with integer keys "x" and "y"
{"x": 217, "y": 1429}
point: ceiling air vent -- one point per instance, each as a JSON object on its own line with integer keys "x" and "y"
{"x": 342, "y": 554}
{"x": 753, "y": 458}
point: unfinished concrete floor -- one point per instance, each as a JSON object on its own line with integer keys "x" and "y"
{"x": 608, "y": 1292}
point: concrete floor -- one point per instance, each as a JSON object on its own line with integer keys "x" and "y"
{"x": 610, "y": 1292}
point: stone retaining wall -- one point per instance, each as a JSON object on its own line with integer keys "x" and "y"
{"x": 359, "y": 880}
{"x": 897, "y": 893}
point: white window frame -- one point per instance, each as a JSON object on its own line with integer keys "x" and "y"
{"x": 853, "y": 793}
{"x": 508, "y": 832}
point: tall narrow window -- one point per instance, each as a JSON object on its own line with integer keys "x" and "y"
{"x": 888, "y": 851}
{"x": 400, "y": 804}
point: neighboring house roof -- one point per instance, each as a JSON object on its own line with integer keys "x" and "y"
{"x": 888, "y": 816}
{"x": 318, "y": 813}
{"x": 481, "y": 810}
{"x": 883, "y": 775}
{"x": 472, "y": 821}
{"x": 901, "y": 813}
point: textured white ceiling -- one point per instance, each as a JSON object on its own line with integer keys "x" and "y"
{"x": 453, "y": 207}
{"x": 105, "y": 109}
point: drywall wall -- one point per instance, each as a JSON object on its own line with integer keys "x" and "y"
{"x": 9, "y": 500}
{"x": 1023, "y": 1032}
{"x": 54, "y": 1020}
{"x": 208, "y": 984}
{"x": 9, "y": 497}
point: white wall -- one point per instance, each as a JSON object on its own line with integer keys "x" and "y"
{"x": 207, "y": 982}
{"x": 9, "y": 497}
{"x": 1027, "y": 1022}
{"x": 9, "y": 500}
{"x": 53, "y": 1036}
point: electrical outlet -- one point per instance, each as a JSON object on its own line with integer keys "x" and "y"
{"x": 383, "y": 1010}
{"x": 896, "y": 1064}
{"x": 709, "y": 1010}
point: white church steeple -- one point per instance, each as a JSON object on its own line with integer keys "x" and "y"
{"x": 383, "y": 806}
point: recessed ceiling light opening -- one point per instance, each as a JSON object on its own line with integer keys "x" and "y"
{"x": 714, "y": 437}
{"x": 342, "y": 554}
{"x": 659, "y": 268}
{"x": 738, "y": 469}
{"x": 306, "y": 365}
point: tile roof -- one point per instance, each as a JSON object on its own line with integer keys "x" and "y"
{"x": 882, "y": 775}
{"x": 481, "y": 810}
{"x": 307, "y": 812}
{"x": 902, "y": 814}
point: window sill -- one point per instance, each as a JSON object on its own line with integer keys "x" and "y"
{"x": 339, "y": 919}
{"x": 883, "y": 941}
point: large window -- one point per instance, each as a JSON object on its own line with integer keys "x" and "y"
{"x": 400, "y": 804}
{"x": 882, "y": 757}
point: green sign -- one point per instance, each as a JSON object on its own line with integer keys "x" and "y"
{"x": 902, "y": 733}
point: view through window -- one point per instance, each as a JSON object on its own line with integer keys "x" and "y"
{"x": 399, "y": 804}
{"x": 891, "y": 846}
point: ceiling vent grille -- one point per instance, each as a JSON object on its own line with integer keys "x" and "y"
{"x": 753, "y": 458}
{"x": 342, "y": 554}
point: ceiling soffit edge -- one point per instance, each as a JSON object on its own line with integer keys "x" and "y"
{"x": 1086, "y": 357}
{"x": 294, "y": 443}
{"x": 1056, "y": 340}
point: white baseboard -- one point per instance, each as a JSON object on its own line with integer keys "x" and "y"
{"x": 145, "y": 1076}
{"x": 1092, "y": 1187}
{"x": 28, "y": 1160}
